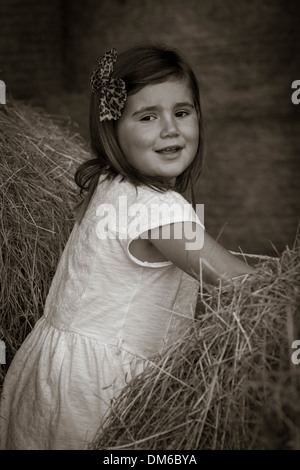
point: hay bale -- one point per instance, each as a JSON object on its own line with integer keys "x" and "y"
{"x": 230, "y": 383}
{"x": 38, "y": 157}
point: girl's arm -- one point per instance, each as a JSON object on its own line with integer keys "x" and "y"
{"x": 212, "y": 259}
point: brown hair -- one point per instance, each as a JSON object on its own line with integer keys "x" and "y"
{"x": 138, "y": 67}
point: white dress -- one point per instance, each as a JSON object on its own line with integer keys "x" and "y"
{"x": 106, "y": 315}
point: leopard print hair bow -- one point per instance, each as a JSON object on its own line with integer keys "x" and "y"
{"x": 113, "y": 95}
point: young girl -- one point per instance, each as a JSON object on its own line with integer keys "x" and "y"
{"x": 130, "y": 271}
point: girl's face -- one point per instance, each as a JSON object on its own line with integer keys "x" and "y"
{"x": 158, "y": 131}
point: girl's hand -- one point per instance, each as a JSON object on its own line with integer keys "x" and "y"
{"x": 197, "y": 253}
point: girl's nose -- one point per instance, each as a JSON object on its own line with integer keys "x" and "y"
{"x": 169, "y": 127}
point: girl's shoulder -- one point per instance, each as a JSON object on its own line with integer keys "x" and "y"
{"x": 148, "y": 206}
{"x": 111, "y": 190}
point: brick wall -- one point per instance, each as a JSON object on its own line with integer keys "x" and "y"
{"x": 31, "y": 47}
{"x": 246, "y": 56}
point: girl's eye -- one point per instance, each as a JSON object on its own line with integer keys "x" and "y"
{"x": 147, "y": 118}
{"x": 181, "y": 114}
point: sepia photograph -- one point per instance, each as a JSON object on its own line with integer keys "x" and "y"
{"x": 149, "y": 227}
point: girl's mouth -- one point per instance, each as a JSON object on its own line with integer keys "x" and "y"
{"x": 169, "y": 150}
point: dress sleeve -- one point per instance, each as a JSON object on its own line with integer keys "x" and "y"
{"x": 161, "y": 209}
